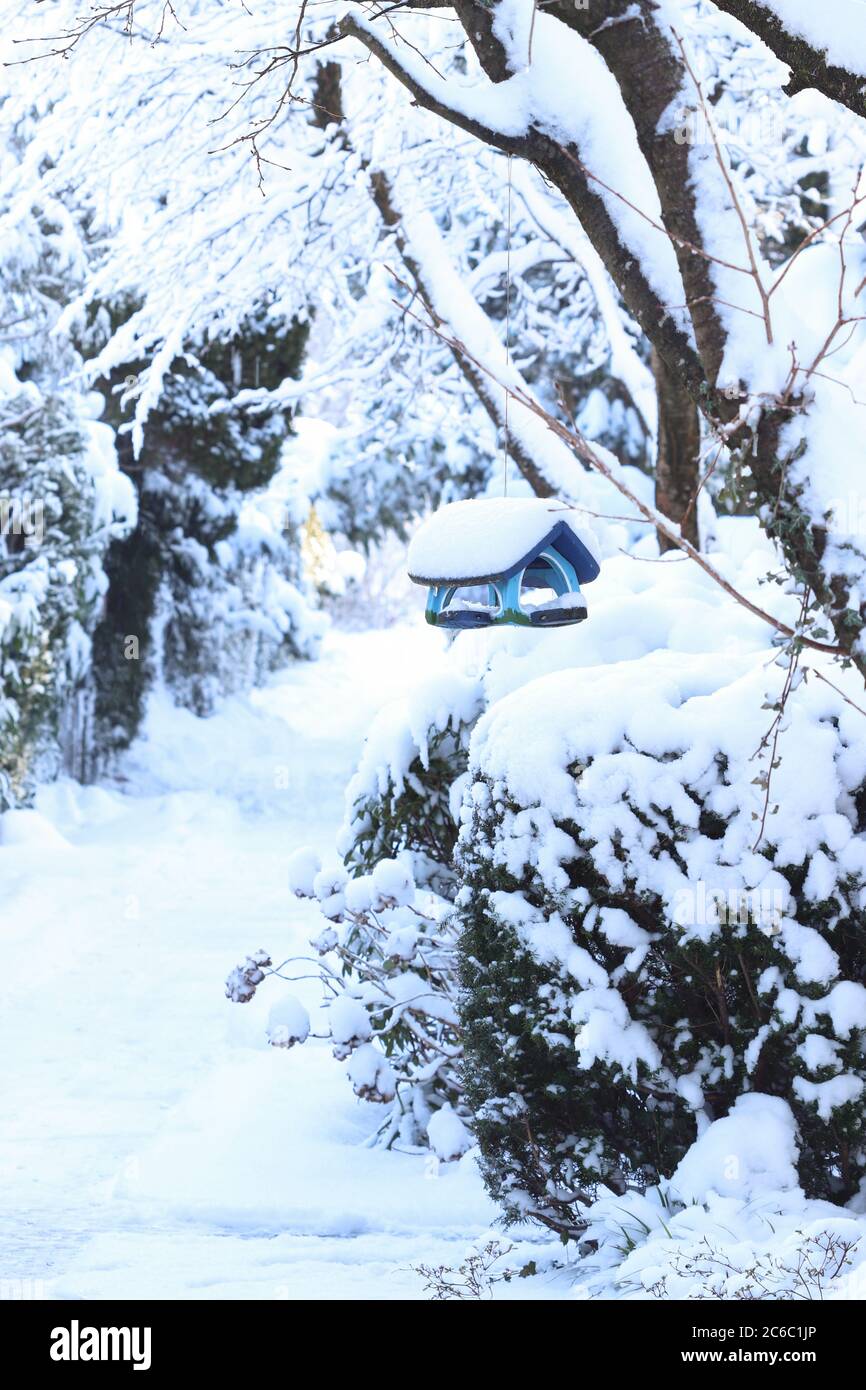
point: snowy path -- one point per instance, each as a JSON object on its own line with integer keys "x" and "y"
{"x": 150, "y": 1143}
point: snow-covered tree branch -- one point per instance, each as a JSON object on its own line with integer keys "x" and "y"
{"x": 822, "y": 45}
{"x": 432, "y": 555}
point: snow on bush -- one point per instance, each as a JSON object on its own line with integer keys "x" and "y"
{"x": 371, "y": 1074}
{"x": 656, "y": 921}
{"x": 400, "y": 797}
{"x": 304, "y": 864}
{"x": 387, "y": 947}
{"x": 732, "y": 1223}
{"x": 387, "y": 963}
{"x": 449, "y": 1138}
{"x": 328, "y": 886}
{"x": 390, "y": 1010}
{"x": 288, "y": 1022}
{"x": 349, "y": 1024}
{"x": 245, "y": 979}
{"x": 62, "y": 499}
{"x": 781, "y": 1246}
{"x": 267, "y": 616}
{"x": 749, "y": 1152}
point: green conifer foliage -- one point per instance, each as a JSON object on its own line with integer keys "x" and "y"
{"x": 601, "y": 1028}
{"x": 51, "y": 582}
{"x": 171, "y": 580}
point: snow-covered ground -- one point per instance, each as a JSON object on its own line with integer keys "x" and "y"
{"x": 152, "y": 1144}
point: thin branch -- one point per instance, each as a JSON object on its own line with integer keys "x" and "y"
{"x": 813, "y": 672}
{"x": 589, "y": 455}
{"x": 775, "y": 729}
{"x": 726, "y": 175}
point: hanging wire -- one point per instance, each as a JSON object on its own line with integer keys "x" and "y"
{"x": 507, "y": 333}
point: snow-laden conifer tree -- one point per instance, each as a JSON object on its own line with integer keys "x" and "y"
{"x": 62, "y": 497}
{"x": 208, "y": 585}
{"x": 662, "y": 841}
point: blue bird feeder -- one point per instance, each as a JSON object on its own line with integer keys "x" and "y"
{"x": 504, "y": 561}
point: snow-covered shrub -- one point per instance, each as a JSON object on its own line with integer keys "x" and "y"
{"x": 741, "y": 1231}
{"x": 288, "y": 1022}
{"x": 781, "y": 1248}
{"x": 229, "y": 615}
{"x": 474, "y": 1278}
{"x": 810, "y": 1264}
{"x": 405, "y": 792}
{"x": 387, "y": 963}
{"x": 387, "y": 951}
{"x": 62, "y": 499}
{"x": 210, "y": 583}
{"x": 655, "y": 922}
{"x": 245, "y": 979}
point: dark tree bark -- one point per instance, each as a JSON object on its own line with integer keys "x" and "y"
{"x": 651, "y": 75}
{"x": 634, "y": 42}
{"x": 808, "y": 63}
{"x": 327, "y": 108}
{"x": 677, "y": 455}
{"x": 563, "y": 166}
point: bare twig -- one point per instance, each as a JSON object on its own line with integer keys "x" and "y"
{"x": 591, "y": 457}
{"x": 726, "y": 175}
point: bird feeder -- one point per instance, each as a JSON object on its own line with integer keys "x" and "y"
{"x": 500, "y": 561}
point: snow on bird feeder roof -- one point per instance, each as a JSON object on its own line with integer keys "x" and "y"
{"x": 492, "y": 538}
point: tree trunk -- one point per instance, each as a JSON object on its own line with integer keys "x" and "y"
{"x": 678, "y": 453}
